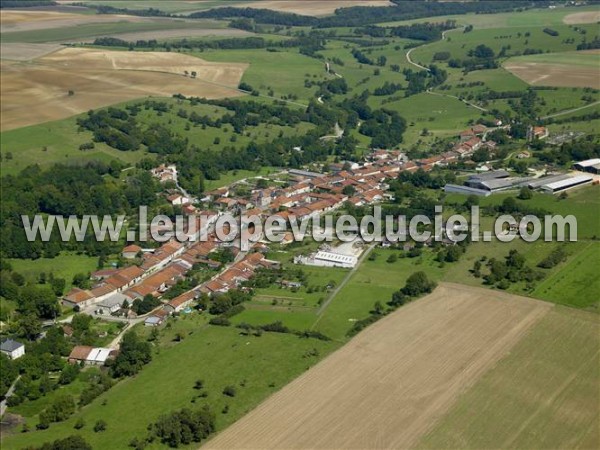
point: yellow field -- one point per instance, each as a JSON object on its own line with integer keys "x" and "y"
{"x": 313, "y": 7}
{"x": 100, "y": 78}
{"x": 391, "y": 384}
{"x": 543, "y": 395}
{"x": 582, "y": 17}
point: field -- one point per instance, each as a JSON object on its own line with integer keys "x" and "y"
{"x": 582, "y": 17}
{"x": 570, "y": 69}
{"x": 543, "y": 395}
{"x": 406, "y": 370}
{"x": 256, "y": 366}
{"x": 99, "y": 78}
{"x": 312, "y": 7}
{"x": 64, "y": 266}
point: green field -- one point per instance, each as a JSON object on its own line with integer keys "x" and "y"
{"x": 91, "y": 30}
{"x": 256, "y": 366}
{"x": 583, "y": 59}
{"x": 543, "y": 394}
{"x": 64, "y": 266}
{"x": 171, "y": 6}
{"x": 59, "y": 141}
{"x": 373, "y": 281}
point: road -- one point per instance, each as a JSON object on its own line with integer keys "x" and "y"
{"x": 569, "y": 111}
{"x": 430, "y": 91}
{"x": 10, "y": 391}
{"x": 338, "y": 133}
{"x": 340, "y": 286}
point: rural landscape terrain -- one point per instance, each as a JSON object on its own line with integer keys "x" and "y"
{"x": 312, "y": 110}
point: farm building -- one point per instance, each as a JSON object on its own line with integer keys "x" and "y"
{"x": 466, "y": 190}
{"x": 153, "y": 321}
{"x": 305, "y": 173}
{"x": 589, "y": 165}
{"x": 93, "y": 356}
{"x": 474, "y": 180}
{"x": 329, "y": 259}
{"x": 12, "y": 349}
{"x": 114, "y": 302}
{"x": 131, "y": 251}
{"x": 558, "y": 186}
{"x": 539, "y": 182}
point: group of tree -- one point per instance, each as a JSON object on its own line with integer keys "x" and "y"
{"x": 416, "y": 285}
{"x": 502, "y": 273}
{"x": 133, "y": 355}
{"x": 183, "y": 427}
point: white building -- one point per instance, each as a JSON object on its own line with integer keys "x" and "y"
{"x": 12, "y": 349}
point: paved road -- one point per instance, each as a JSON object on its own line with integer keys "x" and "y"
{"x": 430, "y": 91}
{"x": 340, "y": 286}
{"x": 8, "y": 394}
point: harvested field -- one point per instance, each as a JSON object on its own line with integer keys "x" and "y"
{"x": 543, "y": 395}
{"x": 582, "y": 17}
{"x": 26, "y": 52}
{"x": 19, "y": 20}
{"x": 174, "y": 34}
{"x": 313, "y": 7}
{"x": 569, "y": 69}
{"x": 100, "y": 78}
{"x": 388, "y": 386}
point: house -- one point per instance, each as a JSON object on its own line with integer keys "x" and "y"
{"x": 178, "y": 200}
{"x": 78, "y": 297}
{"x": 95, "y": 356}
{"x": 12, "y": 349}
{"x": 153, "y": 321}
{"x": 537, "y": 133}
{"x": 181, "y": 302}
{"x": 131, "y": 251}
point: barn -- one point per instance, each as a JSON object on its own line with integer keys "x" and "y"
{"x": 562, "y": 185}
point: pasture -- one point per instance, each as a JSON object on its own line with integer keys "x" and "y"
{"x": 75, "y": 80}
{"x": 256, "y": 366}
{"x": 406, "y": 370}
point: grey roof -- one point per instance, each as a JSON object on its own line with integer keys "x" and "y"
{"x": 545, "y": 180}
{"x": 489, "y": 175}
{"x": 503, "y": 183}
{"x": 465, "y": 190}
{"x": 10, "y": 346}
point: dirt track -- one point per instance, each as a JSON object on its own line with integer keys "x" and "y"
{"x": 100, "y": 78}
{"x": 390, "y": 384}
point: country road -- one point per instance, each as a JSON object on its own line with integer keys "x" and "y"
{"x": 569, "y": 111}
{"x": 340, "y": 286}
{"x": 430, "y": 91}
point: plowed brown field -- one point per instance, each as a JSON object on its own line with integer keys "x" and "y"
{"x": 390, "y": 384}
{"x": 100, "y": 78}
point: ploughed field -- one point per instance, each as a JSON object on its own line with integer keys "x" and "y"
{"x": 75, "y": 80}
{"x": 396, "y": 381}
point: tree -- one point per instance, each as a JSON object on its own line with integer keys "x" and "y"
{"x": 183, "y": 427}
{"x": 525, "y": 193}
{"x": 133, "y": 355}
{"x": 418, "y": 284}
{"x": 229, "y": 391}
{"x": 392, "y": 258}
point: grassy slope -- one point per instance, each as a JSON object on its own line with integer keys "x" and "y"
{"x": 542, "y": 395}
{"x": 218, "y": 356}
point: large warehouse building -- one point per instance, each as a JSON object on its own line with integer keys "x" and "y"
{"x": 562, "y": 185}
{"x": 589, "y": 165}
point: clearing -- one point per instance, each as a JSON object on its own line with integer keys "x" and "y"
{"x": 407, "y": 370}
{"x": 582, "y": 17}
{"x": 100, "y": 78}
{"x": 568, "y": 69}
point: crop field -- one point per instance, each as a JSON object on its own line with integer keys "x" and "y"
{"x": 407, "y": 370}
{"x": 543, "y": 395}
{"x": 99, "y": 78}
{"x": 571, "y": 69}
{"x": 312, "y": 7}
{"x": 582, "y": 17}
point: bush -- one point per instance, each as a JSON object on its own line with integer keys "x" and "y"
{"x": 100, "y": 426}
{"x": 229, "y": 391}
